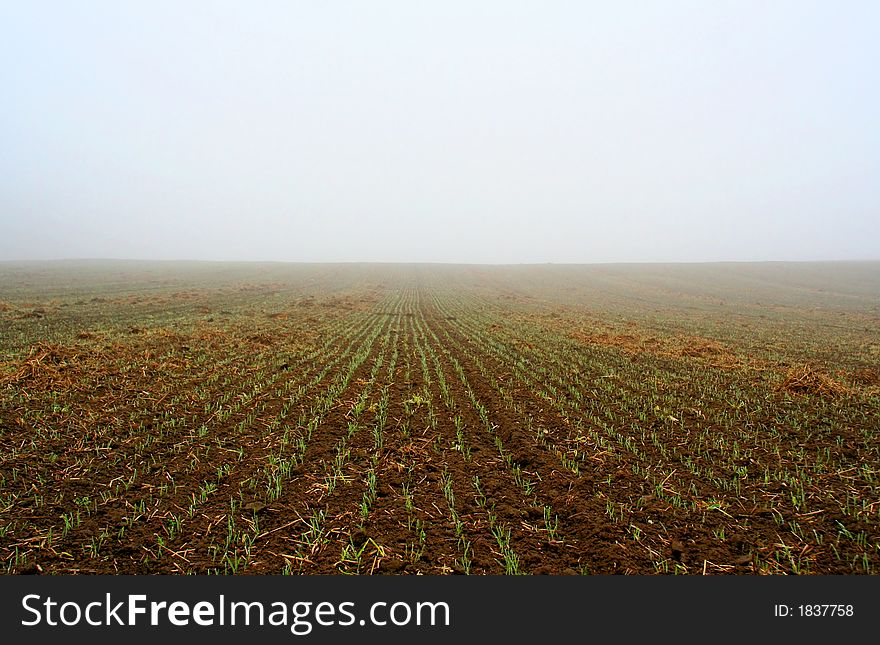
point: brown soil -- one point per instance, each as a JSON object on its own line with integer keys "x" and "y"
{"x": 244, "y": 449}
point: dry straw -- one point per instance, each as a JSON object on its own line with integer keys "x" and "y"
{"x": 806, "y": 380}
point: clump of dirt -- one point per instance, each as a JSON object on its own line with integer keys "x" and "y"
{"x": 805, "y": 379}
{"x": 5, "y": 306}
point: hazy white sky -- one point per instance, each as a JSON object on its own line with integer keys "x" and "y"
{"x": 440, "y": 131}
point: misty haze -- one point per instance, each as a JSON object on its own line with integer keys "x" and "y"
{"x": 489, "y": 132}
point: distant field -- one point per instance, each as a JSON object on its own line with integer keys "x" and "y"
{"x": 275, "y": 418}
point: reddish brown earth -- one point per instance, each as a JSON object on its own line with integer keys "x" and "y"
{"x": 416, "y": 422}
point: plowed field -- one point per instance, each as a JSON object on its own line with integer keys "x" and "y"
{"x": 245, "y": 419}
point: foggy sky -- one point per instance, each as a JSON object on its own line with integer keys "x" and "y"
{"x": 446, "y": 131}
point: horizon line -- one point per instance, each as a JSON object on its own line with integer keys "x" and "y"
{"x": 432, "y": 262}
